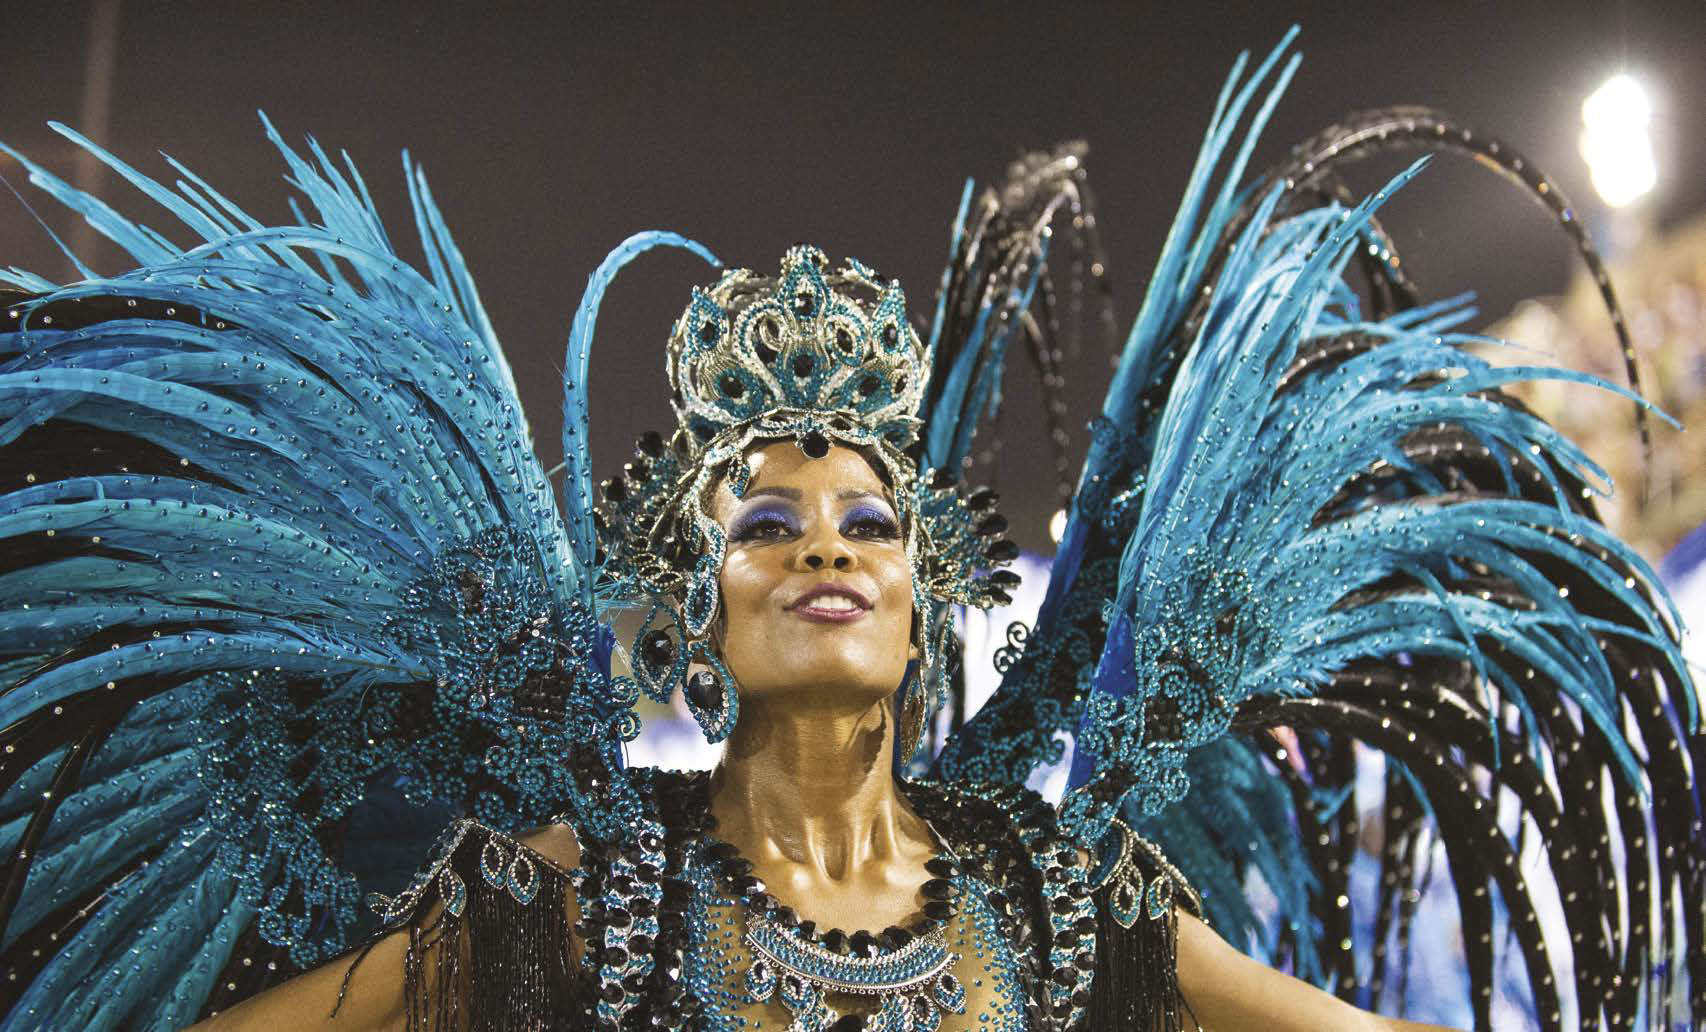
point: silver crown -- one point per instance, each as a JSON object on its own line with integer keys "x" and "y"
{"x": 808, "y": 342}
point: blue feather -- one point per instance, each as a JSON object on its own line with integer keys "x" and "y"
{"x": 346, "y": 433}
{"x": 577, "y": 482}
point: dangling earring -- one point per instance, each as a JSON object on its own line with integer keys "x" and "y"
{"x": 945, "y": 661}
{"x": 662, "y": 657}
{"x": 914, "y": 706}
{"x": 657, "y": 659}
{"x": 712, "y": 695}
{"x": 910, "y": 734}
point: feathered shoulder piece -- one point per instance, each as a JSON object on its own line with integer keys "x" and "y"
{"x": 1315, "y": 534}
{"x": 285, "y": 590}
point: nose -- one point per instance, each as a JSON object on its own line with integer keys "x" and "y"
{"x": 826, "y": 547}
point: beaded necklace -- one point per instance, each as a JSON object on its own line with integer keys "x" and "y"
{"x": 910, "y": 970}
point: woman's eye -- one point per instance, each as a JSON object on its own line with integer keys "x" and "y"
{"x": 762, "y": 527}
{"x": 871, "y": 525}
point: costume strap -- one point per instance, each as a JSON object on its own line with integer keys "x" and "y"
{"x": 489, "y": 944}
{"x": 1137, "y": 937}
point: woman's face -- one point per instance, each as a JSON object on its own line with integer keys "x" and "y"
{"x": 816, "y": 586}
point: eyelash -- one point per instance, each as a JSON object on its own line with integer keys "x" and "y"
{"x": 883, "y": 527}
{"x": 766, "y": 525}
{"x": 762, "y": 525}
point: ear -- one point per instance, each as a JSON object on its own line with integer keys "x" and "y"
{"x": 912, "y": 637}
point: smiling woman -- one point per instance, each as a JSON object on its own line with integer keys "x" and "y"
{"x": 809, "y": 827}
{"x": 817, "y": 631}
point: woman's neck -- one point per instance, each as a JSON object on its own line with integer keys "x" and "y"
{"x": 814, "y": 785}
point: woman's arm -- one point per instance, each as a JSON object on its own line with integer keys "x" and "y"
{"x": 373, "y": 1001}
{"x": 1227, "y": 990}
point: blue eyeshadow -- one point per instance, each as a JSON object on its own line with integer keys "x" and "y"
{"x": 764, "y": 514}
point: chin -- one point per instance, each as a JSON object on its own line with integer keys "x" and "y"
{"x": 836, "y": 677}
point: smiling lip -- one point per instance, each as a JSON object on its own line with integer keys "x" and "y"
{"x": 828, "y": 603}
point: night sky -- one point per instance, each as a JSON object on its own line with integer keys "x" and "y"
{"x": 552, "y": 132}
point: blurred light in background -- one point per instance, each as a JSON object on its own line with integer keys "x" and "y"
{"x": 1057, "y": 526}
{"x": 1615, "y": 142}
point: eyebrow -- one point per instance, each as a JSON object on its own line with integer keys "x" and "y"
{"x": 793, "y": 494}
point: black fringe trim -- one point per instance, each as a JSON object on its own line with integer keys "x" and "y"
{"x": 1136, "y": 986}
{"x": 1137, "y": 975}
{"x": 499, "y": 965}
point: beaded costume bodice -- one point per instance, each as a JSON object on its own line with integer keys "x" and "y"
{"x": 1023, "y": 938}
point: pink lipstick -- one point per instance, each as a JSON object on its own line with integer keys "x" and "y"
{"x": 831, "y": 603}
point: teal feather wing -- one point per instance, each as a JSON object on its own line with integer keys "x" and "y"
{"x": 1300, "y": 560}
{"x": 276, "y": 556}
{"x": 1307, "y": 532}
{"x": 1038, "y": 702}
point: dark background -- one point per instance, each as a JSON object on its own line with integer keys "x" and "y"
{"x": 552, "y": 132}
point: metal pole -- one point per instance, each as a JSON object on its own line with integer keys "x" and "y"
{"x": 87, "y": 171}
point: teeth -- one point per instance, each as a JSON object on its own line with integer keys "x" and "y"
{"x": 839, "y": 603}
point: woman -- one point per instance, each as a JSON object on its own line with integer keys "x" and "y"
{"x": 818, "y": 600}
{"x": 1298, "y": 525}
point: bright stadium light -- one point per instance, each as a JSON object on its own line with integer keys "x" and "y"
{"x": 1615, "y": 143}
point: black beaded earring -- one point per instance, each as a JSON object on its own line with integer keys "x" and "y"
{"x": 712, "y": 696}
{"x": 664, "y": 658}
{"x": 711, "y": 693}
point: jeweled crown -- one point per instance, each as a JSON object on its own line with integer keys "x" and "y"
{"x": 811, "y": 340}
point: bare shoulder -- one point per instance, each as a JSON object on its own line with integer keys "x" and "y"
{"x": 555, "y": 842}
